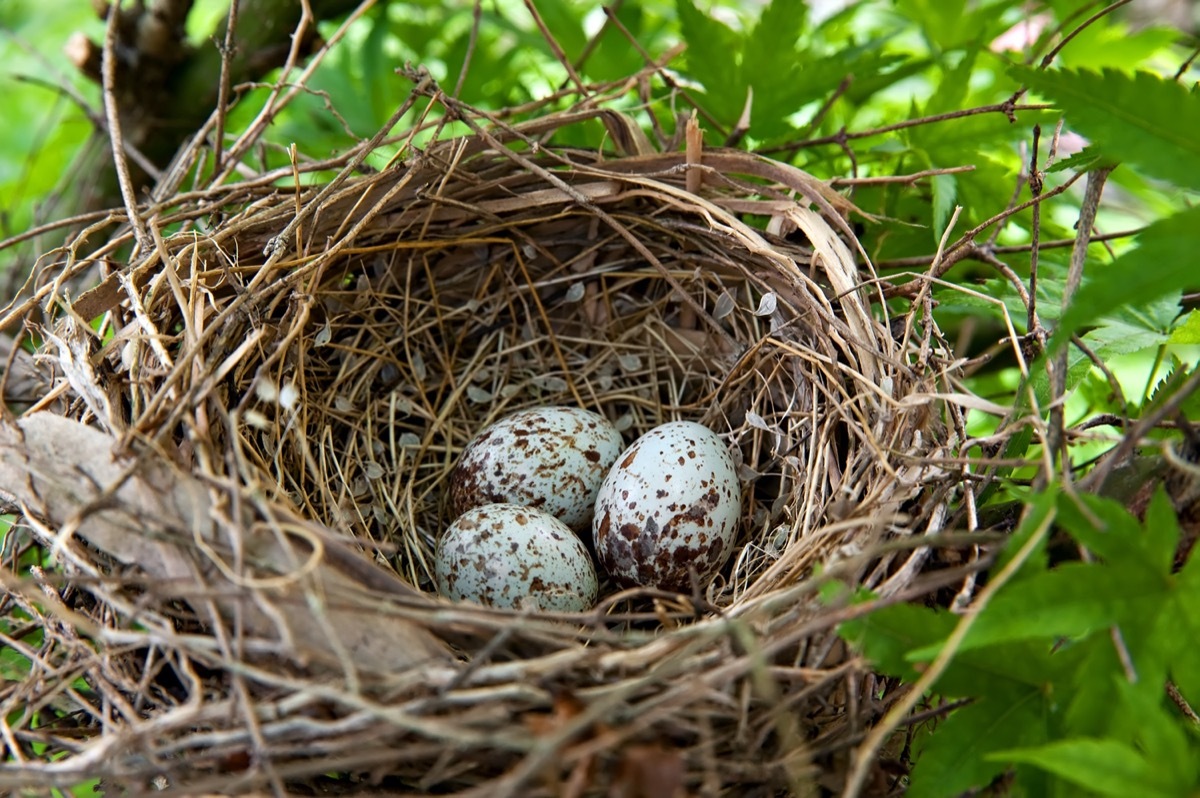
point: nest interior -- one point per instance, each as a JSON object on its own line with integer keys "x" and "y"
{"x": 296, "y": 369}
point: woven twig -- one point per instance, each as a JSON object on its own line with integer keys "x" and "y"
{"x": 308, "y": 370}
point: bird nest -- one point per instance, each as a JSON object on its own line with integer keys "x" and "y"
{"x": 228, "y": 491}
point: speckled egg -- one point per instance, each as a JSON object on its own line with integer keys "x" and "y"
{"x": 669, "y": 504}
{"x": 505, "y": 555}
{"x": 550, "y": 458}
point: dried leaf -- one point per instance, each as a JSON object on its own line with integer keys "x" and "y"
{"x": 724, "y": 306}
{"x": 766, "y": 305}
{"x": 150, "y": 515}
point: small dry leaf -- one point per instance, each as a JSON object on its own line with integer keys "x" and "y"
{"x": 575, "y": 292}
{"x": 402, "y": 403}
{"x": 408, "y": 439}
{"x": 323, "y": 336}
{"x": 766, "y": 305}
{"x": 724, "y": 306}
{"x": 418, "y": 367}
{"x": 630, "y": 362}
{"x": 478, "y": 395}
{"x": 756, "y": 421}
{"x": 550, "y": 383}
{"x": 343, "y": 405}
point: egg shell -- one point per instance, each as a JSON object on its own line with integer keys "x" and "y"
{"x": 549, "y": 458}
{"x": 505, "y": 555}
{"x": 669, "y": 504}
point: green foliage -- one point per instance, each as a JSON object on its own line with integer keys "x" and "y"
{"x": 1161, "y": 264}
{"x": 1141, "y": 119}
{"x": 1041, "y": 663}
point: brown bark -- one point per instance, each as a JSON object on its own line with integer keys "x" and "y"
{"x": 166, "y": 87}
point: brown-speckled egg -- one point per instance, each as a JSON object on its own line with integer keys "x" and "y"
{"x": 504, "y": 555}
{"x": 669, "y": 505}
{"x": 550, "y": 458}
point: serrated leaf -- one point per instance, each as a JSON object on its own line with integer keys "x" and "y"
{"x": 1159, "y": 733}
{"x": 954, "y": 760}
{"x": 712, "y": 50}
{"x": 1039, "y": 510}
{"x": 768, "y": 58}
{"x": 887, "y": 635}
{"x": 1142, "y": 119}
{"x": 1106, "y": 767}
{"x": 1187, "y": 332}
{"x": 1162, "y": 533}
{"x": 1085, "y": 160}
{"x": 1185, "y": 665}
{"x": 1160, "y": 265}
{"x": 1119, "y": 540}
{"x": 1074, "y": 599}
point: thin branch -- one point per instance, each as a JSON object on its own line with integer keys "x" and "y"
{"x": 1058, "y": 367}
{"x": 670, "y": 82}
{"x": 556, "y": 48}
{"x": 1080, "y": 29}
{"x": 472, "y": 42}
{"x": 1095, "y": 480}
{"x": 227, "y": 48}
{"x": 113, "y": 115}
{"x": 1008, "y": 108}
{"x": 1035, "y": 188}
{"x": 1058, "y": 243}
{"x": 962, "y": 247}
{"x": 908, "y": 179}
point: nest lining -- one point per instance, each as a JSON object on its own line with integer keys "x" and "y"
{"x": 329, "y": 377}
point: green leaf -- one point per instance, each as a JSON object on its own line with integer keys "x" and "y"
{"x": 887, "y": 635}
{"x": 1142, "y": 119}
{"x": 1038, "y": 508}
{"x": 955, "y": 758}
{"x": 945, "y": 191}
{"x": 1120, "y": 539}
{"x": 1162, "y": 264}
{"x": 1189, "y": 331}
{"x": 1107, "y": 767}
{"x": 1074, "y": 599}
{"x": 1115, "y": 45}
{"x": 1085, "y": 160}
{"x": 1160, "y": 733}
{"x": 711, "y": 57}
{"x": 773, "y": 39}
{"x": 1185, "y": 665}
{"x": 1162, "y": 533}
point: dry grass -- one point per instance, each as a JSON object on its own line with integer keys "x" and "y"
{"x": 283, "y": 376}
